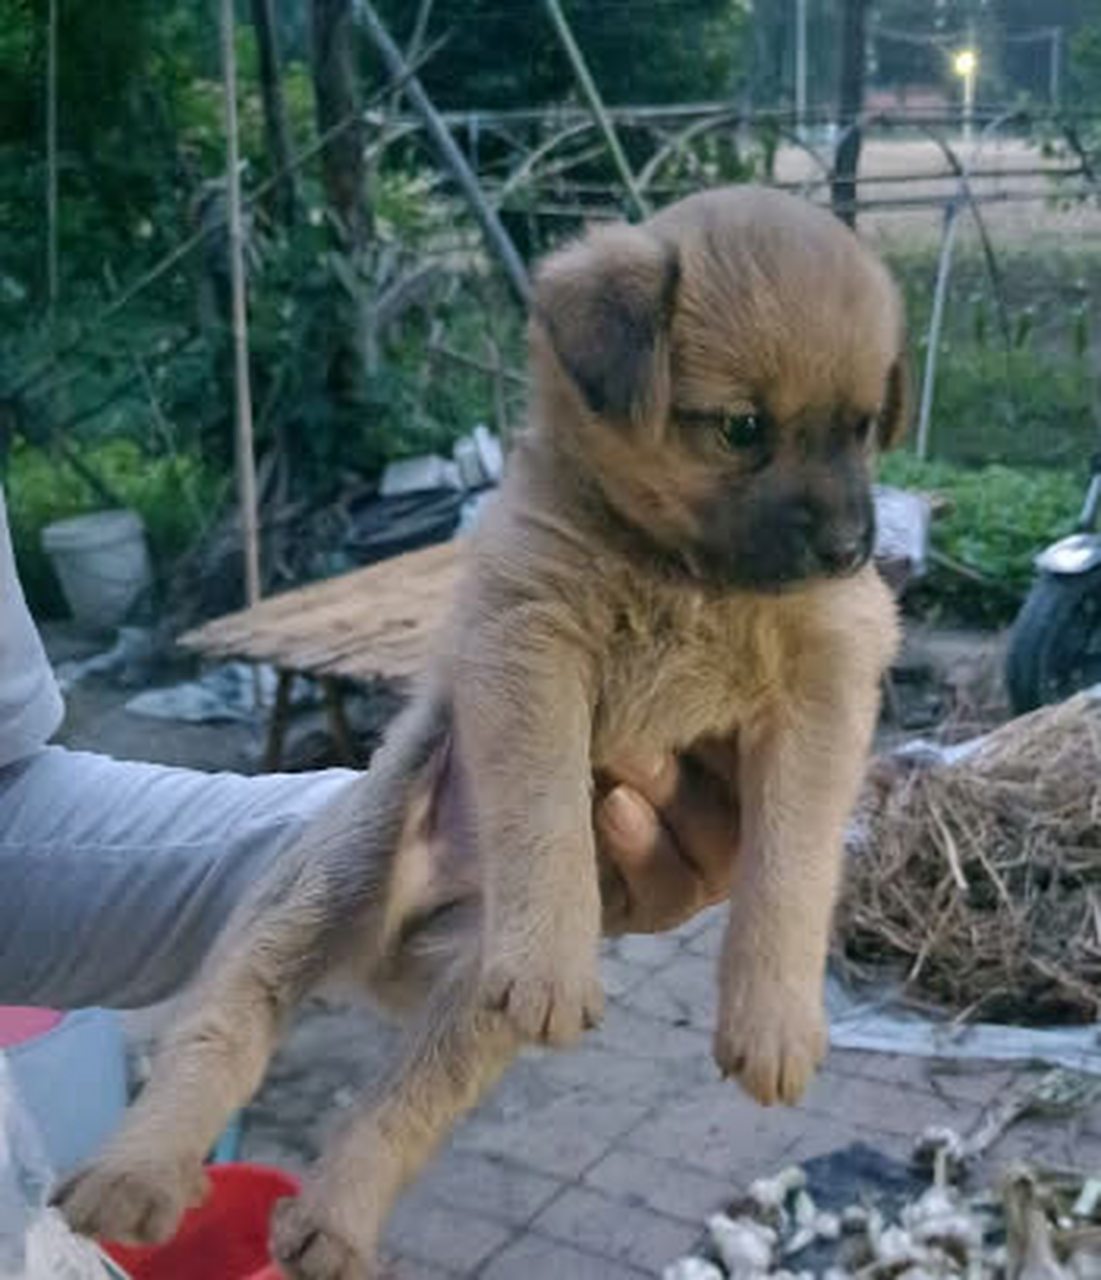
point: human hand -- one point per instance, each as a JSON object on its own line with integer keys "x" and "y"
{"x": 667, "y": 832}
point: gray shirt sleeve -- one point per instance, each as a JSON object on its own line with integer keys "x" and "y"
{"x": 30, "y": 701}
{"x": 115, "y": 875}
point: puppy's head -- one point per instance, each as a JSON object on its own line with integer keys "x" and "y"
{"x": 725, "y": 374}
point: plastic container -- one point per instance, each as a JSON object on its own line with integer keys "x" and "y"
{"x": 19, "y": 1024}
{"x": 225, "y": 1238}
{"x": 34, "y": 1241}
{"x": 102, "y": 562}
{"x": 70, "y": 1070}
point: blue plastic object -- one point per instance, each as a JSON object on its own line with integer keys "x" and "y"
{"x": 72, "y": 1080}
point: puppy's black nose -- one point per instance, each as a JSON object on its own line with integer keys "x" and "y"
{"x": 844, "y": 553}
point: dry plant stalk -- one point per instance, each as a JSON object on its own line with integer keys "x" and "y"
{"x": 981, "y": 880}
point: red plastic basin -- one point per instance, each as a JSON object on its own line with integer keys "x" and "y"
{"x": 225, "y": 1237}
{"x": 19, "y": 1024}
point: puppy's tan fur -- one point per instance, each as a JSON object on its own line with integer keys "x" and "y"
{"x": 621, "y": 595}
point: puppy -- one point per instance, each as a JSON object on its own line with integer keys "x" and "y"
{"x": 680, "y": 550}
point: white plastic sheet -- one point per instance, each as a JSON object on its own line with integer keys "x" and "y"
{"x": 224, "y": 693}
{"x": 35, "y": 1243}
{"x": 878, "y": 1022}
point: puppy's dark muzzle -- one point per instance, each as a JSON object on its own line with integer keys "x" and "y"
{"x": 787, "y": 547}
{"x": 838, "y": 555}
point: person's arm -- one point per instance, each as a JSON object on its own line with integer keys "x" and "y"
{"x": 117, "y": 876}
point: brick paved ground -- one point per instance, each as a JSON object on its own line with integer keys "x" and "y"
{"x": 601, "y": 1164}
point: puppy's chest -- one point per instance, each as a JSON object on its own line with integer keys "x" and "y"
{"x": 672, "y": 672}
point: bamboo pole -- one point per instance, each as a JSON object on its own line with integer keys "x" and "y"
{"x": 936, "y": 321}
{"x": 596, "y": 104}
{"x": 801, "y": 67}
{"x": 496, "y": 236}
{"x": 246, "y": 459}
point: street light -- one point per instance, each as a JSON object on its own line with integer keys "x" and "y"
{"x": 965, "y": 64}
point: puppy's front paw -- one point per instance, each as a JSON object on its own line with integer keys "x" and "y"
{"x": 138, "y": 1202}
{"x": 772, "y": 1037}
{"x": 550, "y": 1001}
{"x": 309, "y": 1248}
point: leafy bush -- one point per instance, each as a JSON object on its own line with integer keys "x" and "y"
{"x": 1026, "y": 405}
{"x": 1000, "y": 518}
{"x": 1017, "y": 408}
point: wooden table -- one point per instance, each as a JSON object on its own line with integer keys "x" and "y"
{"x": 376, "y": 622}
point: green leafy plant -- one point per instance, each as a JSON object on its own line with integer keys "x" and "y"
{"x": 999, "y": 517}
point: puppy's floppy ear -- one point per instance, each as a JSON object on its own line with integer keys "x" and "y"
{"x": 894, "y": 418}
{"x": 605, "y": 304}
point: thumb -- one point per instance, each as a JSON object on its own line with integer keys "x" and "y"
{"x": 659, "y": 888}
{"x": 629, "y": 827}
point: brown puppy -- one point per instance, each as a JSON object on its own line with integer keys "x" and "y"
{"x": 679, "y": 551}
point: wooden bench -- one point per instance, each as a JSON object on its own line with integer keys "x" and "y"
{"x": 373, "y": 623}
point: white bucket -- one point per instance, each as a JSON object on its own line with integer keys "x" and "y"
{"x": 103, "y": 564}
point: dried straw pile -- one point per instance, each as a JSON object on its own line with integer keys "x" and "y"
{"x": 982, "y": 879}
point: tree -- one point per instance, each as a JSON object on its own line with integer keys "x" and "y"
{"x": 338, "y": 98}
{"x": 344, "y": 176}
{"x": 275, "y": 111}
{"x": 502, "y": 53}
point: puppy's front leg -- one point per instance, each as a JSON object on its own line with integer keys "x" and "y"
{"x": 801, "y": 762}
{"x": 523, "y": 726}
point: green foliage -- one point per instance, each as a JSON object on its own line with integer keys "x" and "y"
{"x": 1085, "y": 58}
{"x": 18, "y": 62}
{"x": 1018, "y": 408}
{"x": 141, "y": 133}
{"x": 503, "y": 54}
{"x": 1013, "y": 424}
{"x": 1000, "y": 518}
{"x": 140, "y": 127}
{"x": 174, "y": 495}
{"x": 1019, "y": 402}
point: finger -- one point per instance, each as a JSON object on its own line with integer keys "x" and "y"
{"x": 661, "y": 887}
{"x": 655, "y": 778}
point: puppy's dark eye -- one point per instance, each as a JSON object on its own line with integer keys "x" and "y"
{"x": 742, "y": 430}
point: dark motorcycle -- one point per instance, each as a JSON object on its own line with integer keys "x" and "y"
{"x": 1055, "y": 645}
